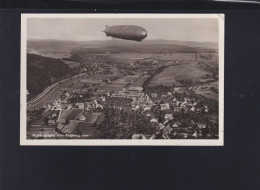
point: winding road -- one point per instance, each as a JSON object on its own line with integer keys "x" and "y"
{"x": 51, "y": 93}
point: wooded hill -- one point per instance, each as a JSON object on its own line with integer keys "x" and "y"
{"x": 43, "y": 71}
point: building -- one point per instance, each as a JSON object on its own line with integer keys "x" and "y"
{"x": 165, "y": 106}
{"x": 164, "y": 94}
{"x": 138, "y": 136}
{"x": 153, "y": 120}
{"x": 51, "y": 122}
{"x": 82, "y": 118}
{"x": 80, "y": 105}
{"x": 168, "y": 117}
{"x": 67, "y": 94}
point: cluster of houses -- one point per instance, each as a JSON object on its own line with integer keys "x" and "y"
{"x": 186, "y": 103}
{"x": 169, "y": 130}
{"x": 129, "y": 93}
{"x": 60, "y": 104}
{"x": 142, "y": 102}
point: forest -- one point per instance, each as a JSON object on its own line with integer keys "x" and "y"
{"x": 43, "y": 71}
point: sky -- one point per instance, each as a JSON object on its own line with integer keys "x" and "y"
{"x": 88, "y": 29}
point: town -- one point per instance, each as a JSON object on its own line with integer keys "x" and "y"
{"x": 119, "y": 99}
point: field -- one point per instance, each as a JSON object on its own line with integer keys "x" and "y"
{"x": 207, "y": 90}
{"x": 92, "y": 117}
{"x": 111, "y": 87}
{"x": 130, "y": 57}
{"x": 126, "y": 79}
{"x": 139, "y": 82}
{"x": 172, "y": 74}
{"x": 71, "y": 64}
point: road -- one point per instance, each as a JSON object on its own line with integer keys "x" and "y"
{"x": 51, "y": 93}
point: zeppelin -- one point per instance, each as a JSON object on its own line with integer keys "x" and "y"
{"x": 126, "y": 32}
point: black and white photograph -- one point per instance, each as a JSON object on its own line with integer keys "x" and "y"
{"x": 122, "y": 79}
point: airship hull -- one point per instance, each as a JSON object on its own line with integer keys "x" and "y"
{"x": 127, "y": 32}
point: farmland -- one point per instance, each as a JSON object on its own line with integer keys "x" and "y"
{"x": 173, "y": 74}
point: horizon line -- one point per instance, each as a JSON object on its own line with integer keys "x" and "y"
{"x": 120, "y": 40}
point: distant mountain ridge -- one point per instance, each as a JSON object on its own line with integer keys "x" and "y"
{"x": 74, "y": 44}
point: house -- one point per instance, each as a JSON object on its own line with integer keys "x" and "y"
{"x": 80, "y": 105}
{"x": 169, "y": 93}
{"x": 163, "y": 94}
{"x": 135, "y": 107}
{"x": 193, "y": 108}
{"x": 167, "y": 129}
{"x": 176, "y": 125}
{"x": 186, "y": 99}
{"x": 165, "y": 106}
{"x": 51, "y": 122}
{"x": 154, "y": 95}
{"x": 153, "y": 120}
{"x": 95, "y": 101}
{"x": 160, "y": 126}
{"x": 82, "y": 118}
{"x": 168, "y": 117}
{"x": 146, "y": 108}
{"x": 58, "y": 106}
{"x": 67, "y": 94}
{"x": 138, "y": 136}
{"x": 202, "y": 126}
{"x": 206, "y": 109}
{"x": 99, "y": 106}
{"x": 148, "y": 115}
{"x": 195, "y": 134}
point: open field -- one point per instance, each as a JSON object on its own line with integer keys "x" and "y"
{"x": 111, "y": 87}
{"x": 130, "y": 57}
{"x": 139, "y": 82}
{"x": 172, "y": 74}
{"x": 125, "y": 79}
{"x": 207, "y": 90}
{"x": 92, "y": 117}
{"x": 71, "y": 64}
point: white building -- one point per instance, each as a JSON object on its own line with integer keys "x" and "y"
{"x": 165, "y": 106}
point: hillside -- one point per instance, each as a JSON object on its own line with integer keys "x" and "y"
{"x": 62, "y": 49}
{"x": 43, "y": 71}
{"x": 143, "y": 48}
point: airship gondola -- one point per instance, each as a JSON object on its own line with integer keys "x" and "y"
{"x": 126, "y": 32}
